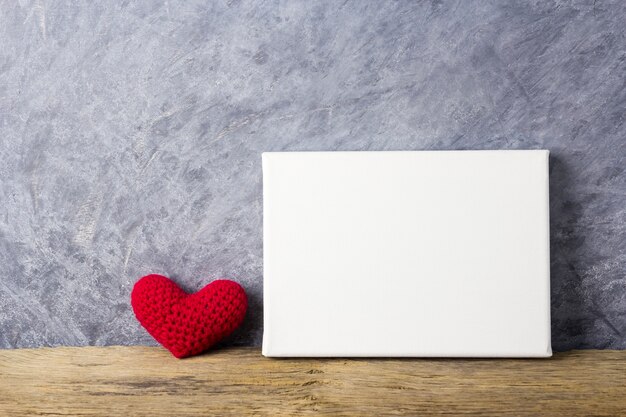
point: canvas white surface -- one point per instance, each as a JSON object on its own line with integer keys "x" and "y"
{"x": 437, "y": 253}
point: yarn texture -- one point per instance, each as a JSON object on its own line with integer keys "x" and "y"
{"x": 188, "y": 324}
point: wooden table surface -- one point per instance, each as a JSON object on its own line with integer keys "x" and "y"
{"x": 145, "y": 381}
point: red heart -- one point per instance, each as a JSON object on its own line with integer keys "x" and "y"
{"x": 187, "y": 324}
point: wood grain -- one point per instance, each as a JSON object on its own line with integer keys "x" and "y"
{"x": 144, "y": 381}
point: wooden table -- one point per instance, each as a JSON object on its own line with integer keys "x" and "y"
{"x": 144, "y": 381}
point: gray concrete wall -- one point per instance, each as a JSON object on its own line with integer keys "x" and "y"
{"x": 131, "y": 134}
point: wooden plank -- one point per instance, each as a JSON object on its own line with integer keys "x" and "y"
{"x": 144, "y": 381}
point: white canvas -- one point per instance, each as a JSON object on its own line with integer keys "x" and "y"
{"x": 437, "y": 253}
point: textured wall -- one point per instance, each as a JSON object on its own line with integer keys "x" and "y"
{"x": 131, "y": 133}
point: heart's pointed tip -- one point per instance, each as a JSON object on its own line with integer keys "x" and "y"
{"x": 180, "y": 355}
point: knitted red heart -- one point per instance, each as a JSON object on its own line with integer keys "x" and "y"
{"x": 187, "y": 324}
